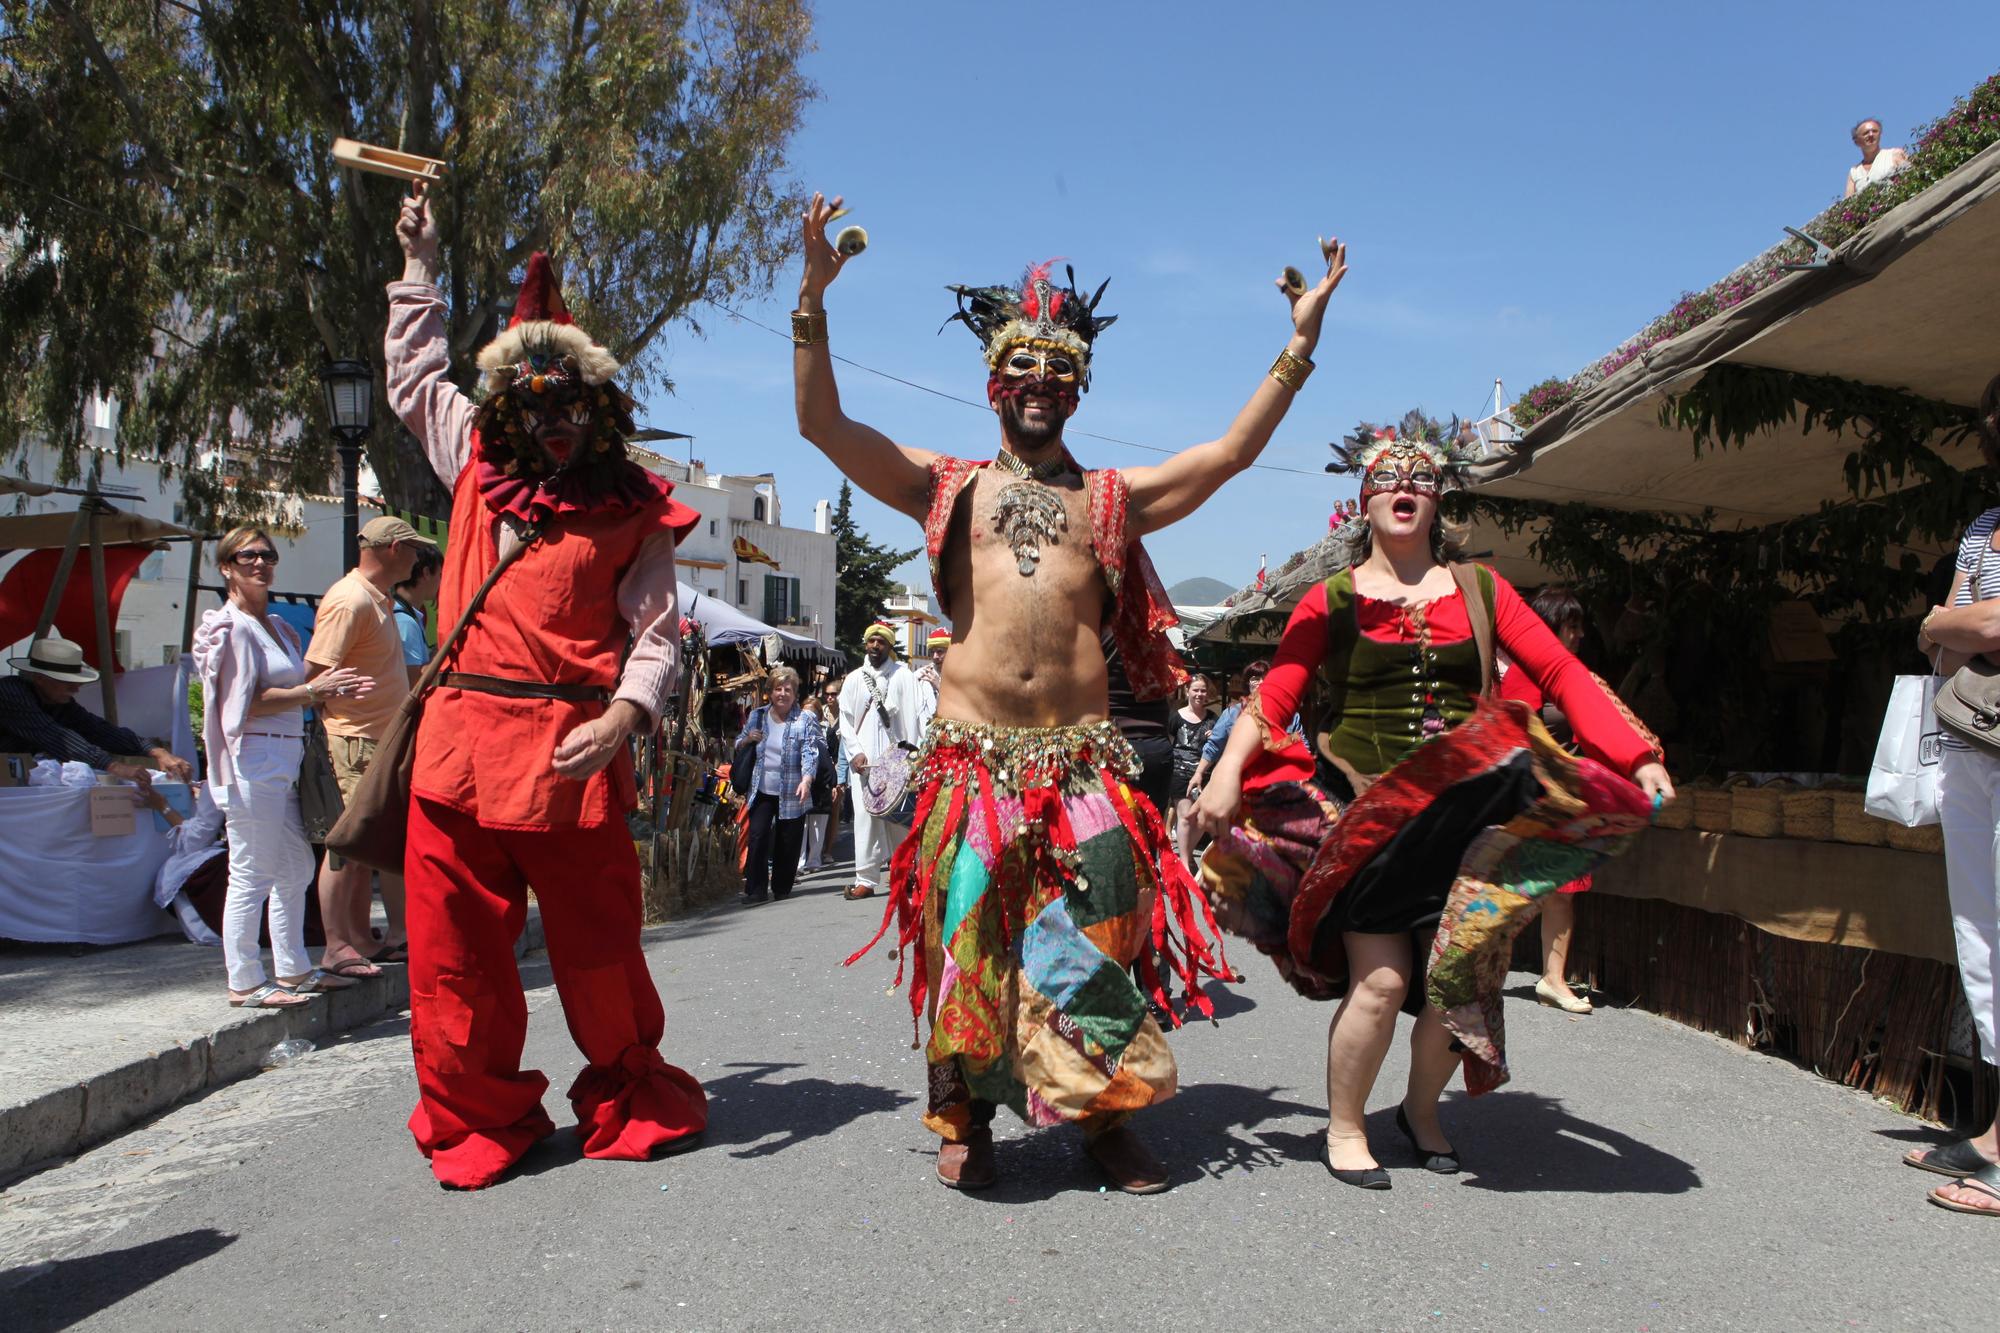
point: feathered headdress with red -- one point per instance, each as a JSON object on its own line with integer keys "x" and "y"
{"x": 1036, "y": 313}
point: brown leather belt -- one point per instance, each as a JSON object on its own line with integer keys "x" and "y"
{"x": 525, "y": 689}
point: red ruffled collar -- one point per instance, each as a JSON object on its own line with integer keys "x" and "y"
{"x": 608, "y": 486}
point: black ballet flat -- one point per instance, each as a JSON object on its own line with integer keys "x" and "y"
{"x": 1443, "y": 1163}
{"x": 1368, "y": 1178}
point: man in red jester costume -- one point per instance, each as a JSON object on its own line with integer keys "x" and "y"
{"x": 522, "y": 774}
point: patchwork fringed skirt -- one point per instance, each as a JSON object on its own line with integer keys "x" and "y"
{"x": 1033, "y": 882}
{"x": 1458, "y": 843}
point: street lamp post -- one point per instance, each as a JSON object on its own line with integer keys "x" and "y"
{"x": 350, "y": 409}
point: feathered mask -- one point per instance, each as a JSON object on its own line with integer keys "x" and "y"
{"x": 1038, "y": 314}
{"x": 1427, "y": 459}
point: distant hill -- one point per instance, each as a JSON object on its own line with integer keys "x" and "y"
{"x": 1199, "y": 592}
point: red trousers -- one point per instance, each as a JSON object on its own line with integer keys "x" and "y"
{"x": 478, "y": 1111}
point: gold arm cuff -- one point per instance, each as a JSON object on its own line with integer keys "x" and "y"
{"x": 1291, "y": 371}
{"x": 808, "y": 327}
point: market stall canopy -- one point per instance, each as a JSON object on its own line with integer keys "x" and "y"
{"x": 42, "y": 532}
{"x": 1907, "y": 304}
{"x": 725, "y": 626}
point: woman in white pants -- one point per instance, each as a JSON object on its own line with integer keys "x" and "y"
{"x": 1969, "y": 800}
{"x": 253, "y": 727}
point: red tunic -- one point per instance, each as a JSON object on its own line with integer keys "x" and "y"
{"x": 1520, "y": 633}
{"x": 552, "y": 617}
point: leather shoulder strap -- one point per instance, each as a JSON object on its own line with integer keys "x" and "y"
{"x": 450, "y": 642}
{"x": 1477, "y": 587}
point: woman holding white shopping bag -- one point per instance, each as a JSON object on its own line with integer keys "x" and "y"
{"x": 1969, "y": 804}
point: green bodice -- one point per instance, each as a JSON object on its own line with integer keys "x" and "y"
{"x": 1371, "y": 700}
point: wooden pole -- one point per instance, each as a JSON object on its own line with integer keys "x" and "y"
{"x": 77, "y": 528}
{"x": 100, "y": 604}
{"x": 193, "y": 592}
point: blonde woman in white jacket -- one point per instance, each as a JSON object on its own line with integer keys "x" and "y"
{"x": 254, "y": 691}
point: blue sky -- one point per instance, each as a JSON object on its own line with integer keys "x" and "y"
{"x": 1521, "y": 187}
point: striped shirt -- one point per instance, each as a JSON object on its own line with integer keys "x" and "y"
{"x": 1980, "y": 564}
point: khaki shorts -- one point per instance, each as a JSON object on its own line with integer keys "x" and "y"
{"x": 351, "y": 756}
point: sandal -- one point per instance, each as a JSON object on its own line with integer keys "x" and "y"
{"x": 392, "y": 953}
{"x": 354, "y": 969}
{"x": 1958, "y": 1159}
{"x": 268, "y": 996}
{"x": 318, "y": 982}
{"x": 1985, "y": 1181}
{"x": 858, "y": 892}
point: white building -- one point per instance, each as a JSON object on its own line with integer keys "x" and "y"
{"x": 150, "y": 620}
{"x": 798, "y": 595}
{"x": 911, "y": 615}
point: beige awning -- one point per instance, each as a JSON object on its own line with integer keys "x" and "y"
{"x": 1907, "y": 304}
{"x": 36, "y": 532}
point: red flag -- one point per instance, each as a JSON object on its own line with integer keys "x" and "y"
{"x": 1260, "y": 571}
{"x": 26, "y": 586}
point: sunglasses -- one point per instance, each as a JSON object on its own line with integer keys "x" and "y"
{"x": 251, "y": 557}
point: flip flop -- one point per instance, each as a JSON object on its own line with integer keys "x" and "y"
{"x": 1958, "y": 1159}
{"x": 354, "y": 969}
{"x": 318, "y": 982}
{"x": 266, "y": 997}
{"x": 392, "y": 953}
{"x": 1985, "y": 1181}
{"x": 858, "y": 892}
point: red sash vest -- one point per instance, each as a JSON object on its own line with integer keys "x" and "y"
{"x": 1140, "y": 614}
{"x": 551, "y": 618}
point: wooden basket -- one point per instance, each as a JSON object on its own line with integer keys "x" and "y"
{"x": 1807, "y": 814}
{"x": 1758, "y": 812}
{"x": 1852, "y": 823}
{"x": 1922, "y": 838}
{"x": 1712, "y": 804}
{"x": 1677, "y": 813}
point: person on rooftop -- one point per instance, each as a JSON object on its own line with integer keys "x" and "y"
{"x": 39, "y": 714}
{"x": 1877, "y": 163}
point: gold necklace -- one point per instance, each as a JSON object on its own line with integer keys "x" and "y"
{"x": 1047, "y": 470}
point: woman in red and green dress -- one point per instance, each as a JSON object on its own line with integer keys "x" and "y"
{"x": 1424, "y": 817}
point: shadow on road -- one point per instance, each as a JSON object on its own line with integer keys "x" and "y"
{"x": 1204, "y": 1131}
{"x": 1521, "y": 1142}
{"x": 747, "y": 1108}
{"x": 68, "y": 1291}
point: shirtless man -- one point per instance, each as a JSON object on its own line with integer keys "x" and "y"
{"x": 1035, "y": 872}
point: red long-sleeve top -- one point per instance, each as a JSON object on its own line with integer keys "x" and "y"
{"x": 1521, "y": 634}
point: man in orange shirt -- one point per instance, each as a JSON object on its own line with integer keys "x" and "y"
{"x": 356, "y": 627}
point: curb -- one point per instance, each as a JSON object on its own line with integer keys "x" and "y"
{"x": 67, "y": 1120}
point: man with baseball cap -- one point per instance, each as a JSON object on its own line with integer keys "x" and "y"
{"x": 356, "y": 628}
{"x": 882, "y": 712}
{"x": 39, "y": 714}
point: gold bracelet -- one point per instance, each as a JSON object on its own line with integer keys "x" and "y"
{"x": 1291, "y": 371}
{"x": 808, "y": 327}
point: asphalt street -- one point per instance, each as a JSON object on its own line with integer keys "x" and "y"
{"x": 1636, "y": 1175}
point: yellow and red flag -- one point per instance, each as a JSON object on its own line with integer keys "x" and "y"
{"x": 751, "y": 552}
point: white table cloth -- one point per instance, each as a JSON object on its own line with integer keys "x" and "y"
{"x": 59, "y": 884}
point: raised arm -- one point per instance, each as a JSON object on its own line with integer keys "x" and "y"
{"x": 895, "y": 474}
{"x": 1170, "y": 491}
{"x": 434, "y": 409}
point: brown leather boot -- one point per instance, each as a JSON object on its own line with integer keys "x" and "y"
{"x": 1126, "y": 1160}
{"x": 967, "y": 1165}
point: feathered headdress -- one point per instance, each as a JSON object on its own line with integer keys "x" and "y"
{"x": 1444, "y": 447}
{"x": 1037, "y": 311}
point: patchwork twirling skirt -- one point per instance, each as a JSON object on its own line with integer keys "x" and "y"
{"x": 1035, "y": 880}
{"x": 1457, "y": 844}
